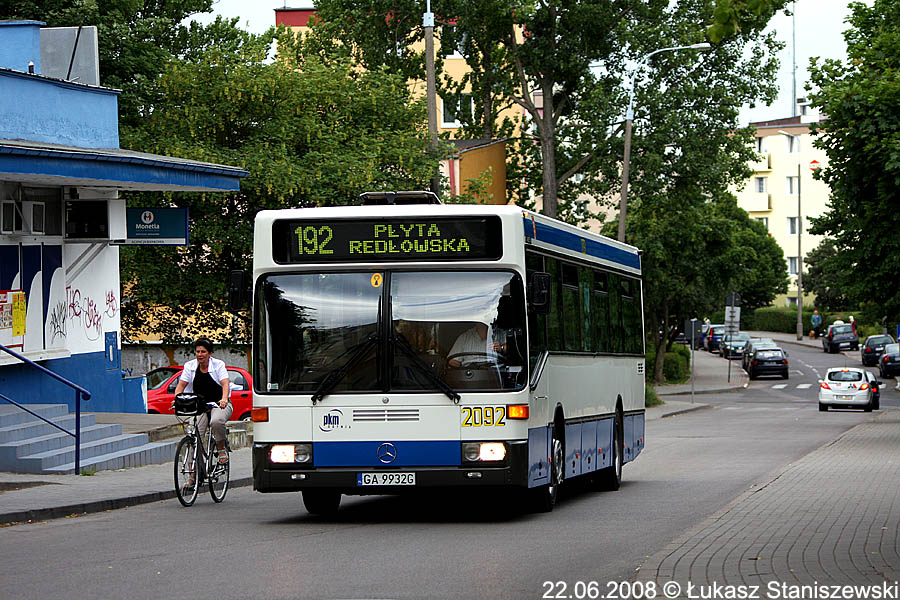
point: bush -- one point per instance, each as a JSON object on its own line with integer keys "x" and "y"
{"x": 649, "y": 358}
{"x": 684, "y": 351}
{"x": 778, "y": 319}
{"x": 674, "y": 368}
{"x": 650, "y": 397}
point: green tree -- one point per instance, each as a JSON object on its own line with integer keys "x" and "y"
{"x": 825, "y": 277}
{"x": 731, "y": 17}
{"x": 309, "y": 133}
{"x": 862, "y": 140}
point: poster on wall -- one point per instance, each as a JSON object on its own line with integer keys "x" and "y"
{"x": 12, "y": 318}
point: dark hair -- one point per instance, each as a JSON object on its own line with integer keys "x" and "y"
{"x": 205, "y": 343}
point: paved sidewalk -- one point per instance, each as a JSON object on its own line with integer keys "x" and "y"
{"x": 831, "y": 518}
{"x": 711, "y": 376}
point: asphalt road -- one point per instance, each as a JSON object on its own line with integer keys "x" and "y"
{"x": 807, "y": 366}
{"x": 444, "y": 546}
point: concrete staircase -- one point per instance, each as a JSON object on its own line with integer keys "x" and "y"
{"x": 29, "y": 445}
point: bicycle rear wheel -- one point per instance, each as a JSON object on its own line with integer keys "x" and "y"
{"x": 218, "y": 478}
{"x": 186, "y": 463}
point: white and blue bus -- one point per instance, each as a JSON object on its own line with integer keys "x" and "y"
{"x": 406, "y": 346}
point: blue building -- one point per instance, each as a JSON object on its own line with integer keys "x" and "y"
{"x": 61, "y": 219}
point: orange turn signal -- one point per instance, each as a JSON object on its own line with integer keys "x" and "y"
{"x": 517, "y": 411}
{"x": 260, "y": 415}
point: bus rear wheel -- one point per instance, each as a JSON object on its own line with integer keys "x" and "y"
{"x": 321, "y": 502}
{"x": 610, "y": 478}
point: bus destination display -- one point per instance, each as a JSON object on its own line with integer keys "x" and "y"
{"x": 342, "y": 240}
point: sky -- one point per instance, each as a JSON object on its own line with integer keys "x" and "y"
{"x": 819, "y": 28}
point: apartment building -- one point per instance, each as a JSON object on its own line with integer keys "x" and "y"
{"x": 782, "y": 193}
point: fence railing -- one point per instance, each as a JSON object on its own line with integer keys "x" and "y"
{"x": 80, "y": 394}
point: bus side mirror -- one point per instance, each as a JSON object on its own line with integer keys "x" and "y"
{"x": 237, "y": 291}
{"x": 539, "y": 293}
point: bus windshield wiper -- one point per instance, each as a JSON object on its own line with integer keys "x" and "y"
{"x": 335, "y": 376}
{"x": 402, "y": 343}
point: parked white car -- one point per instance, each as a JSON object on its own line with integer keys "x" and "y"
{"x": 848, "y": 387}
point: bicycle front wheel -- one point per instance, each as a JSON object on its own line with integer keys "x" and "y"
{"x": 186, "y": 479}
{"x": 218, "y": 478}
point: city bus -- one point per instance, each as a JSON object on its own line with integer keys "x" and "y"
{"x": 403, "y": 346}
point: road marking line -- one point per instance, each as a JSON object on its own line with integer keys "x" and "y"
{"x": 804, "y": 386}
{"x": 780, "y": 386}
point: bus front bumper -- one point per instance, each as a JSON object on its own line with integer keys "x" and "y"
{"x": 269, "y": 477}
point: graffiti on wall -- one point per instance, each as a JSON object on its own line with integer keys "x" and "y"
{"x": 84, "y": 312}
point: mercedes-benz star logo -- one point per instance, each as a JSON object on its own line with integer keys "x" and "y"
{"x": 386, "y": 453}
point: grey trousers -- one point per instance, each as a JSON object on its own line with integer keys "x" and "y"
{"x": 218, "y": 417}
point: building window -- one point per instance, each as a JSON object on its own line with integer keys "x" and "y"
{"x": 791, "y": 301}
{"x": 792, "y": 225}
{"x": 458, "y": 42}
{"x": 792, "y": 265}
{"x": 791, "y": 185}
{"x": 764, "y": 221}
{"x": 760, "y": 145}
{"x": 793, "y": 143}
{"x": 759, "y": 184}
{"x": 456, "y": 111}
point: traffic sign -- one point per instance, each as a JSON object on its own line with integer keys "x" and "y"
{"x": 814, "y": 165}
{"x": 733, "y": 299}
{"x": 732, "y": 320}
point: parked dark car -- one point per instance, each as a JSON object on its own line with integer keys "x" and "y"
{"x": 768, "y": 361}
{"x": 875, "y": 384}
{"x": 889, "y": 365}
{"x": 161, "y": 385}
{"x": 872, "y": 349}
{"x": 751, "y": 345}
{"x": 713, "y": 337}
{"x": 840, "y": 336}
{"x": 732, "y": 346}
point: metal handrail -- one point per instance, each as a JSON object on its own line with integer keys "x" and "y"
{"x": 80, "y": 393}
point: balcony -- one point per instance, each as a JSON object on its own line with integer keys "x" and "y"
{"x": 763, "y": 164}
{"x": 756, "y": 201}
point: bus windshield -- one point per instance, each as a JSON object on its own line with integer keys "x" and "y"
{"x": 390, "y": 331}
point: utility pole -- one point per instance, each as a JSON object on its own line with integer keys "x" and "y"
{"x": 799, "y": 258}
{"x": 431, "y": 92}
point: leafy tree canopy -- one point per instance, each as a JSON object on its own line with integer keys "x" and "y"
{"x": 861, "y": 137}
{"x": 825, "y": 277}
{"x": 731, "y": 17}
{"x": 309, "y": 133}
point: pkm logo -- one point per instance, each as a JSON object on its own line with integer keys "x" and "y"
{"x": 332, "y": 420}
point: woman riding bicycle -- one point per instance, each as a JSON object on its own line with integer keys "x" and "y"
{"x": 207, "y": 377}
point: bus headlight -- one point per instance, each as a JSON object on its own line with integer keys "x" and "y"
{"x": 484, "y": 451}
{"x": 291, "y": 453}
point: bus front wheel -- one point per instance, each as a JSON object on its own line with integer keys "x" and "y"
{"x": 545, "y": 497}
{"x": 321, "y": 502}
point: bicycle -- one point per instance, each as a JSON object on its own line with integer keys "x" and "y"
{"x": 196, "y": 462}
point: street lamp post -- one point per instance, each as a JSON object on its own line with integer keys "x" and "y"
{"x": 629, "y": 117}
{"x": 796, "y": 139}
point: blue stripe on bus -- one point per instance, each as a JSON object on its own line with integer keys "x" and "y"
{"x": 571, "y": 241}
{"x": 366, "y": 454}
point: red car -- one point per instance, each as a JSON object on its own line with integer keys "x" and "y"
{"x": 161, "y": 384}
